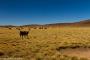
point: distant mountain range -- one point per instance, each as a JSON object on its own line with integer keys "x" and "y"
{"x": 84, "y": 23}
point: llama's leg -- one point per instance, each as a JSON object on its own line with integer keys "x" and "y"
{"x": 22, "y": 36}
{"x": 27, "y": 37}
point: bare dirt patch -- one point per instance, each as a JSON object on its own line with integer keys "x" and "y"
{"x": 81, "y": 52}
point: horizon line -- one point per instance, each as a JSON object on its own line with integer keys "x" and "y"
{"x": 39, "y": 23}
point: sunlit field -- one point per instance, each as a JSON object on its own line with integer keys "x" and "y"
{"x": 44, "y": 44}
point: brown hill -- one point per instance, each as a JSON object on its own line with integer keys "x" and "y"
{"x": 84, "y": 23}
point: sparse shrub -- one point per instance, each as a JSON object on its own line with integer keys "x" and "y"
{"x": 83, "y": 59}
{"x": 1, "y": 53}
{"x": 64, "y": 57}
{"x": 74, "y": 58}
{"x": 39, "y": 56}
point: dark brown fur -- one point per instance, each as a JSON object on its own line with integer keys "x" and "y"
{"x": 24, "y": 34}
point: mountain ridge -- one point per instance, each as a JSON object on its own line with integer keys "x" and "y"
{"x": 80, "y": 23}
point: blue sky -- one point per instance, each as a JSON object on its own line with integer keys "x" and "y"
{"x": 19, "y": 12}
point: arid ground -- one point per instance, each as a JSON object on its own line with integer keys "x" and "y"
{"x": 64, "y": 43}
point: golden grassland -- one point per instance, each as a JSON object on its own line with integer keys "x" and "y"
{"x": 42, "y": 43}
